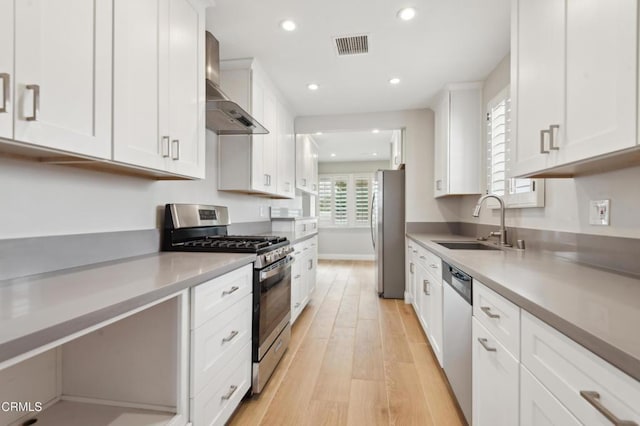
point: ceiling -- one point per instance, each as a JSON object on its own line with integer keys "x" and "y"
{"x": 448, "y": 41}
{"x": 354, "y": 146}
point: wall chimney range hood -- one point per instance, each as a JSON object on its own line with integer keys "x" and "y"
{"x": 224, "y": 116}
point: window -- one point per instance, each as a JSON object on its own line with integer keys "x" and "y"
{"x": 516, "y": 193}
{"x": 344, "y": 200}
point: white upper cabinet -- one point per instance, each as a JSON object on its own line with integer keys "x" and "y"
{"x": 458, "y": 140}
{"x": 574, "y": 83}
{"x": 159, "y": 85}
{"x": 306, "y": 164}
{"x": 62, "y": 77}
{"x": 286, "y": 153}
{"x": 6, "y": 69}
{"x": 397, "y": 157}
{"x": 260, "y": 164}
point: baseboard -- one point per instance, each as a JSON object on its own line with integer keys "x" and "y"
{"x": 328, "y": 256}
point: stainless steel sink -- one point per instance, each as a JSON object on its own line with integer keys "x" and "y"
{"x": 466, "y": 245}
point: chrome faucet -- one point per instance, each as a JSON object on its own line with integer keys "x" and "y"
{"x": 503, "y": 230}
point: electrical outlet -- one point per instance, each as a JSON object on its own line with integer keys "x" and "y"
{"x": 263, "y": 211}
{"x": 599, "y": 212}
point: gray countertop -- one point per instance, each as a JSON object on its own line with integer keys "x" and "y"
{"x": 41, "y": 309}
{"x": 596, "y": 308}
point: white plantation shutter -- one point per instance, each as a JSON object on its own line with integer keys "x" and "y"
{"x": 340, "y": 201}
{"x": 515, "y": 192}
{"x": 344, "y": 200}
{"x": 362, "y": 185}
{"x": 325, "y": 210}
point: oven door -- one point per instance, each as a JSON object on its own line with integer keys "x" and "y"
{"x": 272, "y": 304}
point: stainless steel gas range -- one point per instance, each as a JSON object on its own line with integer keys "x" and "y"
{"x": 202, "y": 228}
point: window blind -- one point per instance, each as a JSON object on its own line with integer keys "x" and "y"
{"x": 340, "y": 201}
{"x": 324, "y": 199}
{"x": 363, "y": 196}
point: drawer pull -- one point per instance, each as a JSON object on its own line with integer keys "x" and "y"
{"x": 232, "y": 390}
{"x": 278, "y": 346}
{"x": 433, "y": 266}
{"x": 297, "y": 276}
{"x": 593, "y": 398}
{"x": 426, "y": 287}
{"x": 422, "y": 257}
{"x": 36, "y": 101}
{"x": 483, "y": 342}
{"x": 415, "y": 251}
{"x": 487, "y": 310}
{"x": 297, "y": 305}
{"x": 230, "y": 337}
{"x": 411, "y": 267}
{"x": 233, "y": 289}
{"x": 5, "y": 90}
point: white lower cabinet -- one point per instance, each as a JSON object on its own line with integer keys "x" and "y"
{"x": 538, "y": 406}
{"x": 131, "y": 370}
{"x": 495, "y": 380}
{"x": 303, "y": 275}
{"x": 220, "y": 346}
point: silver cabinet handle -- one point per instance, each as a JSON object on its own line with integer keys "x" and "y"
{"x": 415, "y": 251}
{"x": 483, "y": 342}
{"x": 269, "y": 180}
{"x": 593, "y": 398}
{"x": 6, "y": 79}
{"x": 297, "y": 276}
{"x": 315, "y": 187}
{"x": 232, "y": 390}
{"x": 411, "y": 267}
{"x": 487, "y": 310}
{"x": 422, "y": 257}
{"x": 304, "y": 182}
{"x": 543, "y": 150}
{"x": 395, "y": 160}
{"x": 231, "y": 336}
{"x": 426, "y": 287}
{"x": 297, "y": 253}
{"x": 304, "y": 227}
{"x": 297, "y": 305}
{"x": 310, "y": 264}
{"x": 266, "y": 179}
{"x": 439, "y": 184}
{"x": 231, "y": 290}
{"x": 433, "y": 266}
{"x": 175, "y": 153}
{"x": 165, "y": 146}
{"x": 552, "y": 129}
{"x": 36, "y": 101}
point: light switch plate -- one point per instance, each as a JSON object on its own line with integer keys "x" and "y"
{"x": 599, "y": 211}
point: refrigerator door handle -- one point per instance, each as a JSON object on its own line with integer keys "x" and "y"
{"x": 373, "y": 200}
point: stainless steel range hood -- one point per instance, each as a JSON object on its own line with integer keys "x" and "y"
{"x": 224, "y": 116}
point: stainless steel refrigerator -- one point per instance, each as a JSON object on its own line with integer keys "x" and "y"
{"x": 388, "y": 231}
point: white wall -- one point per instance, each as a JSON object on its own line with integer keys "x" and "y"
{"x": 420, "y": 204}
{"x": 39, "y": 199}
{"x": 567, "y": 200}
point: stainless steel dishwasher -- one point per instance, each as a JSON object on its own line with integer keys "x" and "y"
{"x": 457, "y": 334}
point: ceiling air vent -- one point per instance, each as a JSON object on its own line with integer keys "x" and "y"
{"x": 352, "y": 45}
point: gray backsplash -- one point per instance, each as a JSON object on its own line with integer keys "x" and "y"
{"x": 618, "y": 254}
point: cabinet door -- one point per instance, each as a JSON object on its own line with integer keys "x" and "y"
{"x": 63, "y": 58}
{"x": 185, "y": 67}
{"x": 441, "y": 162}
{"x": 313, "y": 167}
{"x": 435, "y": 317}
{"x": 137, "y": 137}
{"x": 286, "y": 159}
{"x": 538, "y": 407}
{"x": 258, "y": 178}
{"x": 422, "y": 281}
{"x": 270, "y": 142}
{"x": 601, "y": 81}
{"x": 537, "y": 88}
{"x": 6, "y": 69}
{"x": 296, "y": 283}
{"x": 495, "y": 380}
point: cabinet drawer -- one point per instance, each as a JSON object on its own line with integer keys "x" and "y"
{"x": 211, "y": 298}
{"x": 567, "y": 369}
{"x": 498, "y": 315}
{"x": 430, "y": 261}
{"x": 217, "y": 342}
{"x": 215, "y": 404}
{"x": 495, "y": 380}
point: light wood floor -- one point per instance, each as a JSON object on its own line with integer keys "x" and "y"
{"x": 354, "y": 359}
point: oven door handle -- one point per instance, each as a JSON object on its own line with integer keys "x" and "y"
{"x": 283, "y": 264}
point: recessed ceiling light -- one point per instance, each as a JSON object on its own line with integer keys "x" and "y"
{"x": 374, "y": 154}
{"x": 318, "y": 133}
{"x": 375, "y": 131}
{"x": 394, "y": 80}
{"x": 288, "y": 25}
{"x": 407, "y": 14}
{"x": 333, "y": 154}
{"x": 313, "y": 86}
